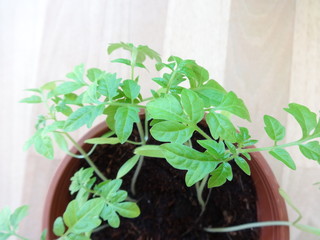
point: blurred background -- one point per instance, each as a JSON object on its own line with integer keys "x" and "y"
{"x": 267, "y": 51}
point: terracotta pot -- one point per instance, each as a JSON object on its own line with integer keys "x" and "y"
{"x": 270, "y": 204}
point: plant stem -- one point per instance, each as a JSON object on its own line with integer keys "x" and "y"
{"x": 86, "y": 157}
{"x": 135, "y": 175}
{"x": 247, "y": 226}
{"x": 199, "y": 189}
{"x": 170, "y": 81}
{"x": 125, "y": 104}
{"x": 199, "y": 130}
{"x": 137, "y": 171}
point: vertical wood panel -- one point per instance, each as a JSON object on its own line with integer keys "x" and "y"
{"x": 259, "y": 60}
{"x": 304, "y": 89}
{"x": 78, "y": 32}
{"x": 198, "y": 30}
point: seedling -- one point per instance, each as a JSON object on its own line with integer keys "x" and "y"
{"x": 173, "y": 114}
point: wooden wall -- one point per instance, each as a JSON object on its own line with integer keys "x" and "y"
{"x": 266, "y": 51}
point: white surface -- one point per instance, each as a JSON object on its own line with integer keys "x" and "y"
{"x": 269, "y": 48}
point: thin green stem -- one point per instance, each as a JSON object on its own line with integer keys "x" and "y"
{"x": 120, "y": 104}
{"x": 200, "y": 188}
{"x": 173, "y": 75}
{"x": 199, "y": 130}
{"x": 86, "y": 157}
{"x": 247, "y": 226}
{"x": 135, "y": 175}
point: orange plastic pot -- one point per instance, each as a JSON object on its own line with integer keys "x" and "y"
{"x": 270, "y": 205}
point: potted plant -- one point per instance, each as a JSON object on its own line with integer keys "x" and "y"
{"x": 135, "y": 157}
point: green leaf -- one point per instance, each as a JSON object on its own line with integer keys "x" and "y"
{"x": 275, "y": 130}
{"x": 4, "y": 236}
{"x": 192, "y": 105}
{"x": 195, "y": 73}
{"x": 82, "y": 116}
{"x": 306, "y": 119}
{"x": 311, "y": 150}
{"x": 18, "y": 215}
{"x": 43, "y": 145}
{"x": 122, "y": 60}
{"x": 58, "y": 227}
{"x": 108, "y": 189}
{"x": 211, "y": 93}
{"x": 221, "y": 127}
{"x": 220, "y": 175}
{"x": 77, "y": 74}
{"x": 32, "y": 99}
{"x": 242, "y": 163}
{"x": 44, "y": 234}
{"x": 166, "y": 108}
{"x": 108, "y": 85}
{"x": 124, "y": 119}
{"x": 94, "y": 74}
{"x": 150, "y": 151}
{"x": 215, "y": 149}
{"x": 114, "y": 46}
{"x": 103, "y": 140}
{"x": 85, "y": 218}
{"x": 231, "y": 103}
{"x": 61, "y": 141}
{"x": 113, "y": 219}
{"x": 127, "y": 166}
{"x": 64, "y": 109}
{"x": 197, "y": 164}
{"x": 66, "y": 87}
{"x": 283, "y": 156}
{"x": 5, "y": 219}
{"x": 127, "y": 209}
{"x": 82, "y": 178}
{"x": 131, "y": 89}
{"x": 171, "y": 131}
{"x": 91, "y": 95}
{"x": 149, "y": 52}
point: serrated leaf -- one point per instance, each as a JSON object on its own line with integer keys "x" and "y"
{"x": 103, "y": 140}
{"x": 214, "y": 148}
{"x": 131, "y": 89}
{"x": 85, "y": 218}
{"x": 166, "y": 108}
{"x": 64, "y": 109}
{"x": 192, "y": 105}
{"x": 66, "y": 88}
{"x": 275, "y": 130}
{"x": 242, "y": 163}
{"x": 108, "y": 85}
{"x": 127, "y": 166}
{"x": 283, "y": 156}
{"x": 231, "y": 103}
{"x": 220, "y": 175}
{"x": 113, "y": 46}
{"x": 124, "y": 119}
{"x": 195, "y": 73}
{"x": 82, "y": 178}
{"x": 77, "y": 74}
{"x": 171, "y": 131}
{"x": 94, "y": 74}
{"x": 127, "y": 209}
{"x": 43, "y": 145}
{"x": 18, "y": 215}
{"x": 91, "y": 95}
{"x": 306, "y": 119}
{"x": 122, "y": 60}
{"x": 85, "y": 115}
{"x": 32, "y": 99}
{"x": 211, "y": 93}
{"x": 108, "y": 189}
{"x": 149, "y": 52}
{"x": 311, "y": 150}
{"x": 61, "y": 141}
{"x": 197, "y": 164}
{"x": 221, "y": 127}
{"x": 58, "y": 227}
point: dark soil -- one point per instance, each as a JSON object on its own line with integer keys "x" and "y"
{"x": 169, "y": 209}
